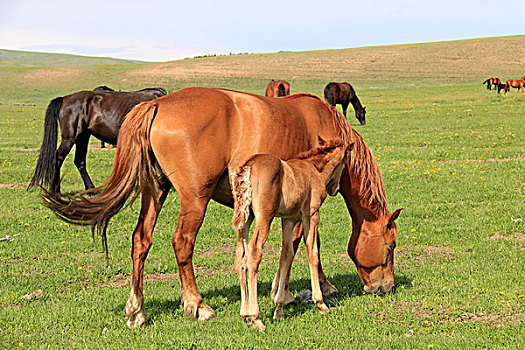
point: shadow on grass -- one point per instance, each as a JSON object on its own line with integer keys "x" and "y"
{"x": 349, "y": 286}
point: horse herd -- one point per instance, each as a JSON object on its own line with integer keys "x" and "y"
{"x": 263, "y": 156}
{"x": 496, "y": 82}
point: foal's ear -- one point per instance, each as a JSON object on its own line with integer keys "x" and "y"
{"x": 393, "y": 217}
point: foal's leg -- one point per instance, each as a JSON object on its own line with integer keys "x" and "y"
{"x": 327, "y": 288}
{"x": 280, "y": 293}
{"x": 311, "y": 232}
{"x": 80, "y": 159}
{"x": 192, "y": 210}
{"x": 152, "y": 200}
{"x": 260, "y": 235}
{"x": 240, "y": 262}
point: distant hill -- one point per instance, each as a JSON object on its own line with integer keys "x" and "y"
{"x": 28, "y": 58}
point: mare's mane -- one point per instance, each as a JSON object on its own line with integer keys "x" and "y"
{"x": 321, "y": 150}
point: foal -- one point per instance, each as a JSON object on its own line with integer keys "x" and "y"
{"x": 293, "y": 190}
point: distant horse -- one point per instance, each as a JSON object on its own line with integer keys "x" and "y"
{"x": 265, "y": 187}
{"x": 343, "y": 94}
{"x": 517, "y": 84}
{"x": 103, "y": 88}
{"x": 191, "y": 140}
{"x": 500, "y": 87}
{"x": 277, "y": 88}
{"x": 82, "y": 114}
{"x": 492, "y": 81}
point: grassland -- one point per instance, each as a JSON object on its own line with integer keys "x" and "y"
{"x": 451, "y": 153}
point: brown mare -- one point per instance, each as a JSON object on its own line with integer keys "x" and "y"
{"x": 517, "y": 84}
{"x": 211, "y": 139}
{"x": 265, "y": 187}
{"x": 492, "y": 81}
{"x": 344, "y": 94}
{"x": 80, "y": 115}
{"x": 277, "y": 88}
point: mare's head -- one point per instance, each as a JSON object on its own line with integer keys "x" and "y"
{"x": 360, "y": 115}
{"x": 373, "y": 253}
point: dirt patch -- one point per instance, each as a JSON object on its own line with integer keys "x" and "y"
{"x": 410, "y": 253}
{"x": 517, "y": 237}
{"x": 52, "y": 74}
{"x": 441, "y": 315}
{"x": 15, "y": 185}
{"x": 24, "y": 149}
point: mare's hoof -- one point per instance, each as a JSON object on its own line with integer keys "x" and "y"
{"x": 256, "y": 323}
{"x": 200, "y": 311}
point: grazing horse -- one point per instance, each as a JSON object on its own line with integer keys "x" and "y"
{"x": 265, "y": 187}
{"x": 80, "y": 115}
{"x": 103, "y": 88}
{"x": 211, "y": 139}
{"x": 500, "y": 87}
{"x": 517, "y": 84}
{"x": 492, "y": 81}
{"x": 277, "y": 88}
{"x": 343, "y": 94}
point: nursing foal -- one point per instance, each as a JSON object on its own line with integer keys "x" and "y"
{"x": 266, "y": 187}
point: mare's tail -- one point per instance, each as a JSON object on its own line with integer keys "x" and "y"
{"x": 47, "y": 159}
{"x": 134, "y": 161}
{"x": 242, "y": 195}
{"x": 282, "y": 90}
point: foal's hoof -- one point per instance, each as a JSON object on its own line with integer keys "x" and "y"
{"x": 254, "y": 322}
{"x": 200, "y": 311}
{"x": 323, "y": 309}
{"x": 137, "y": 319}
{"x": 278, "y": 313}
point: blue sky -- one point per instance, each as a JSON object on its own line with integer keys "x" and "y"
{"x": 168, "y": 30}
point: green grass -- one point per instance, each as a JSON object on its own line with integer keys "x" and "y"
{"x": 452, "y": 155}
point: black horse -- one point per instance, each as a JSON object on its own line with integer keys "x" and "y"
{"x": 343, "y": 94}
{"x": 99, "y": 113}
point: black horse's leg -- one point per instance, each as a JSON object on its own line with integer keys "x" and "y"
{"x": 345, "y": 107}
{"x": 62, "y": 151}
{"x": 80, "y": 159}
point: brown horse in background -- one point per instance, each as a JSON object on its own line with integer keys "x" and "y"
{"x": 343, "y": 94}
{"x": 277, "y": 88}
{"x": 80, "y": 115}
{"x": 211, "y": 139}
{"x": 266, "y": 187}
{"x": 492, "y": 81}
{"x": 517, "y": 84}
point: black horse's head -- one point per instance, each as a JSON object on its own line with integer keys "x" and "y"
{"x": 360, "y": 115}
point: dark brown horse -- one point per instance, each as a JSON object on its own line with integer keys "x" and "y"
{"x": 500, "y": 87}
{"x": 277, "y": 88}
{"x": 344, "y": 94}
{"x": 177, "y": 140}
{"x": 82, "y": 114}
{"x": 517, "y": 84}
{"x": 492, "y": 81}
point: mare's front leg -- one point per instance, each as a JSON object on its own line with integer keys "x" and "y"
{"x": 241, "y": 253}
{"x": 327, "y": 288}
{"x": 281, "y": 295}
{"x": 192, "y": 210}
{"x": 260, "y": 235}
{"x": 311, "y": 225}
{"x": 152, "y": 200}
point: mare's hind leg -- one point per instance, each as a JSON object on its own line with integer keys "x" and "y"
{"x": 62, "y": 151}
{"x": 281, "y": 296}
{"x": 80, "y": 159}
{"x": 327, "y": 288}
{"x": 192, "y": 210}
{"x": 152, "y": 200}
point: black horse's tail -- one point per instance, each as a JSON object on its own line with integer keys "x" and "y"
{"x": 329, "y": 96}
{"x": 485, "y": 82}
{"x": 282, "y": 90}
{"x": 46, "y": 165}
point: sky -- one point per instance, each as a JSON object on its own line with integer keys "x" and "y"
{"x": 165, "y": 30}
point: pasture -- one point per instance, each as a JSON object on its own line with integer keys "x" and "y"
{"x": 451, "y": 153}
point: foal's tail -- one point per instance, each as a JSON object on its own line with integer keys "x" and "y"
{"x": 46, "y": 164}
{"x": 242, "y": 195}
{"x": 134, "y": 161}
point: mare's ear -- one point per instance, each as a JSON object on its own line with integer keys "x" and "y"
{"x": 394, "y": 216}
{"x": 321, "y": 141}
{"x": 350, "y": 146}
